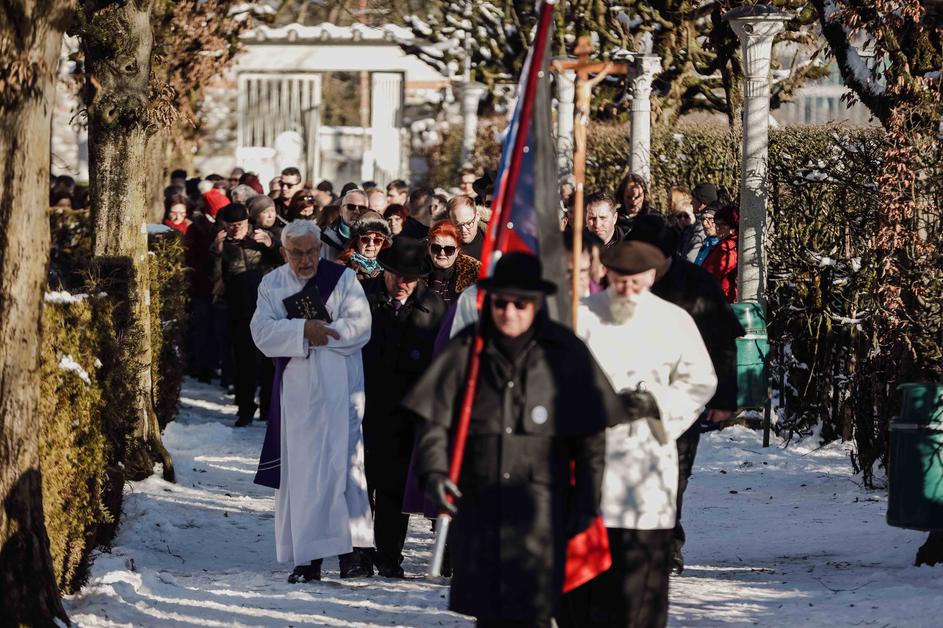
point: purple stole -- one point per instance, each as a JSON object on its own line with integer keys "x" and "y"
{"x": 270, "y": 462}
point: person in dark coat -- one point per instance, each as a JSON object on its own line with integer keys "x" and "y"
{"x": 541, "y": 405}
{"x": 406, "y": 318}
{"x": 693, "y": 289}
{"x": 241, "y": 257}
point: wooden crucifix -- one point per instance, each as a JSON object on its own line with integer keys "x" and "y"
{"x": 588, "y": 75}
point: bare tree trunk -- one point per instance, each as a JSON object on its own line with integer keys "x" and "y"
{"x": 118, "y": 39}
{"x": 30, "y": 41}
{"x": 155, "y": 175}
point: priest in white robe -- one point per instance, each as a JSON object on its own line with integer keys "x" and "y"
{"x": 313, "y": 453}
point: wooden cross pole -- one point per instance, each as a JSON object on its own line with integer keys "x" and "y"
{"x": 584, "y": 69}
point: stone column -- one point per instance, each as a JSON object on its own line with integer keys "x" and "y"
{"x": 755, "y": 26}
{"x": 472, "y": 93}
{"x": 566, "y": 92}
{"x": 644, "y": 69}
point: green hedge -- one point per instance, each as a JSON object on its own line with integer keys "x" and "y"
{"x": 168, "y": 275}
{"x": 823, "y": 209}
{"x": 87, "y": 389}
{"x": 74, "y": 440}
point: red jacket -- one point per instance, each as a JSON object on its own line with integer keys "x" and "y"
{"x": 721, "y": 262}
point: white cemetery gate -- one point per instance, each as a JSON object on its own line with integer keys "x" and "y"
{"x": 271, "y": 104}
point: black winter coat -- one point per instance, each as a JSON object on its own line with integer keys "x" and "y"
{"x": 695, "y": 290}
{"x": 399, "y": 351}
{"x": 533, "y": 416}
{"x": 241, "y": 265}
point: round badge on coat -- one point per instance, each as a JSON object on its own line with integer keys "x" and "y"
{"x": 539, "y": 415}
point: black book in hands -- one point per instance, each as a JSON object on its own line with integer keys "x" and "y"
{"x": 307, "y": 304}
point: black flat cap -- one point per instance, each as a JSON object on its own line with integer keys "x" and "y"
{"x": 632, "y": 257}
{"x": 234, "y": 212}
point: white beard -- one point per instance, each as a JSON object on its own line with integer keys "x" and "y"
{"x": 622, "y": 308}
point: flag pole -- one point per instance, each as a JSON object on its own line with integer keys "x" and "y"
{"x": 494, "y": 239}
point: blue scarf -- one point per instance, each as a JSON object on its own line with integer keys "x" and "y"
{"x": 343, "y": 229}
{"x": 369, "y": 265}
{"x": 709, "y": 243}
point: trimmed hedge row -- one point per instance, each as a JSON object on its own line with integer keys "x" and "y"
{"x": 74, "y": 447}
{"x": 86, "y": 389}
{"x": 168, "y": 275}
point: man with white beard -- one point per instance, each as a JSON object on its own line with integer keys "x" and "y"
{"x": 654, "y": 357}
{"x": 313, "y": 319}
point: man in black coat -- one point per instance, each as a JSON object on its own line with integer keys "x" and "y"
{"x": 542, "y": 404}
{"x": 693, "y": 289}
{"x": 406, "y": 318}
{"x": 241, "y": 255}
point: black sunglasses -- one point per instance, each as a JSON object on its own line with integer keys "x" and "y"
{"x": 501, "y": 303}
{"x": 355, "y": 207}
{"x": 449, "y": 250}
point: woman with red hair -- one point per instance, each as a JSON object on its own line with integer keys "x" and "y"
{"x": 721, "y": 262}
{"x": 452, "y": 271}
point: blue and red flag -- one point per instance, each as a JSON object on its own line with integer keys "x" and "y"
{"x": 526, "y": 217}
{"x": 526, "y": 202}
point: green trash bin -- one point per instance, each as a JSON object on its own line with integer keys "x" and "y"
{"x": 752, "y": 356}
{"x": 915, "y": 469}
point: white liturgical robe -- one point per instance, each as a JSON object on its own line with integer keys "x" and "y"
{"x": 321, "y": 507}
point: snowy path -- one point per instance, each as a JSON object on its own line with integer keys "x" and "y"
{"x": 776, "y": 537}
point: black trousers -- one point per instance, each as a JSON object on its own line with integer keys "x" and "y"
{"x": 687, "y": 451}
{"x": 387, "y": 465}
{"x": 253, "y": 371}
{"x": 633, "y": 593}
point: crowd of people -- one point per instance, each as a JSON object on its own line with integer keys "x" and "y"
{"x": 360, "y": 376}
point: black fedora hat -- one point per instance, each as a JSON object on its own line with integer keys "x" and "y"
{"x": 518, "y": 273}
{"x": 407, "y": 258}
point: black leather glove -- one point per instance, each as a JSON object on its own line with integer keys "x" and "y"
{"x": 639, "y": 404}
{"x": 438, "y": 490}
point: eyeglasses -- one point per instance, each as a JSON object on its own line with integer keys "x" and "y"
{"x": 467, "y": 223}
{"x": 501, "y": 303}
{"x": 289, "y": 184}
{"x": 352, "y": 207}
{"x": 308, "y": 199}
{"x": 449, "y": 250}
{"x": 375, "y": 240}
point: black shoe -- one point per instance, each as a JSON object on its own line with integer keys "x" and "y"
{"x": 931, "y": 552}
{"x": 356, "y": 564}
{"x": 243, "y": 421}
{"x": 677, "y": 564}
{"x": 306, "y": 573}
{"x": 390, "y": 570}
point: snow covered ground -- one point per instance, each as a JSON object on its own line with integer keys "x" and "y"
{"x": 779, "y": 537}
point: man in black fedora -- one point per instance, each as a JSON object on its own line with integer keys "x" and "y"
{"x": 406, "y": 318}
{"x": 542, "y": 404}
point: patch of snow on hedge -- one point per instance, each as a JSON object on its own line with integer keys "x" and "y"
{"x": 67, "y": 363}
{"x": 61, "y": 297}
